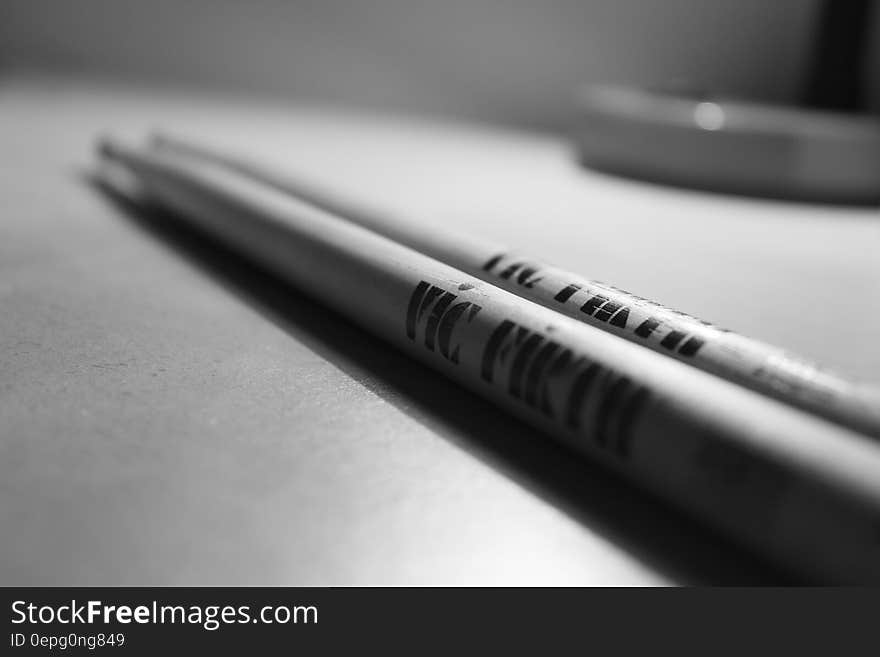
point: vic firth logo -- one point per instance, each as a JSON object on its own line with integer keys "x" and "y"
{"x": 442, "y": 314}
{"x": 583, "y": 396}
{"x": 601, "y": 307}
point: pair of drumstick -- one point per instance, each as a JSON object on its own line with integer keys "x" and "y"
{"x": 777, "y": 452}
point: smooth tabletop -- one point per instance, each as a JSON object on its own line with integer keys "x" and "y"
{"x": 170, "y": 415}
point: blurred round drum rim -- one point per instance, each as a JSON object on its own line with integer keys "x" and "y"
{"x": 729, "y": 145}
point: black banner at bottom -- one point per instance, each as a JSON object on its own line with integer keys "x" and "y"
{"x": 107, "y": 621}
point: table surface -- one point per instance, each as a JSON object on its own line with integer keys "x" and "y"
{"x": 171, "y": 416}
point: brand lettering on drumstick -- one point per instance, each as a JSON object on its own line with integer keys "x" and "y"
{"x": 437, "y": 308}
{"x": 524, "y": 273}
{"x": 582, "y": 395}
{"x": 602, "y": 307}
{"x": 598, "y": 402}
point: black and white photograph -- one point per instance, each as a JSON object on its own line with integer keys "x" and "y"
{"x": 467, "y": 294}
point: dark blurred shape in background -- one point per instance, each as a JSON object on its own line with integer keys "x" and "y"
{"x": 502, "y": 60}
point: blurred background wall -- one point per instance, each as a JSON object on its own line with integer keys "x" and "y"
{"x": 514, "y": 61}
